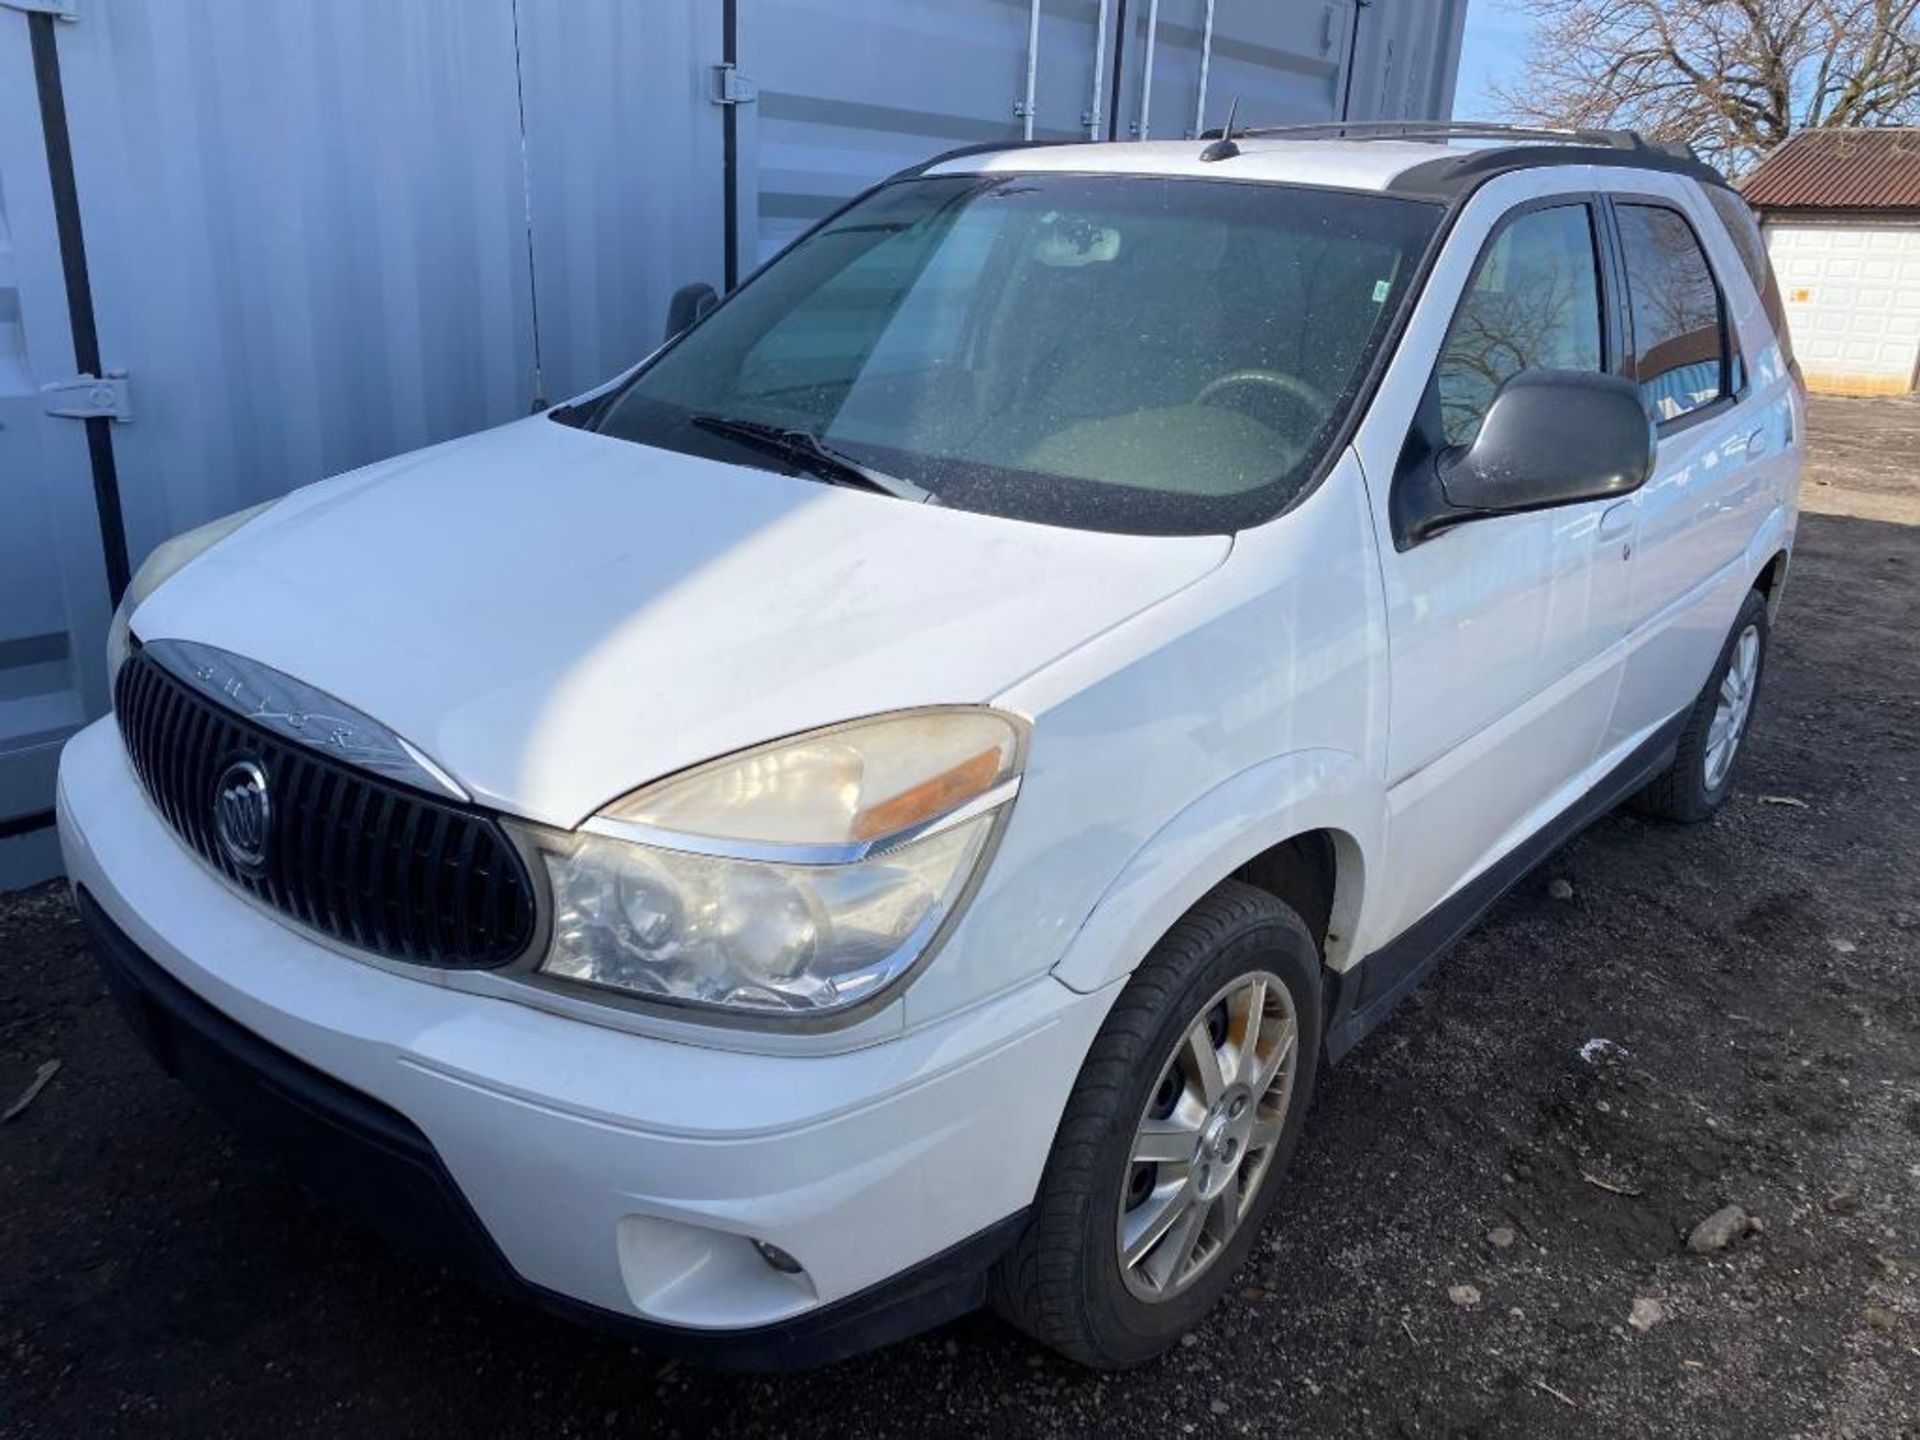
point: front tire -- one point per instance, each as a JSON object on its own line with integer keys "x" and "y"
{"x": 1701, "y": 775}
{"x": 1169, "y": 1154}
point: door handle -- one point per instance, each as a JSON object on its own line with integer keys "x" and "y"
{"x": 1616, "y": 520}
{"x": 1757, "y": 444}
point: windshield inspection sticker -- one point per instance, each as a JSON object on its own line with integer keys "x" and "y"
{"x": 1380, "y": 289}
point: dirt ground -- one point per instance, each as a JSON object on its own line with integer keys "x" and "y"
{"x": 1755, "y": 979}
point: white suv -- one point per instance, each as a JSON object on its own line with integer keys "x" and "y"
{"x": 891, "y": 803}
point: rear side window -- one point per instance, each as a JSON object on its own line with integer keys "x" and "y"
{"x": 1533, "y": 303}
{"x": 1679, "y": 332}
{"x": 1744, "y": 231}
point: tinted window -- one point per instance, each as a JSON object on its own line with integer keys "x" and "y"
{"x": 1533, "y": 303}
{"x": 1678, "y": 333}
{"x": 1744, "y": 231}
{"x": 1119, "y": 352}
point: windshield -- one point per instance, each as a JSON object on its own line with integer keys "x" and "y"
{"x": 1114, "y": 352}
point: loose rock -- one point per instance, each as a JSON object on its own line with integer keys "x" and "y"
{"x": 1646, "y": 1313}
{"x": 1501, "y": 1236}
{"x": 1465, "y": 1296}
{"x": 1600, "y": 1048}
{"x": 1559, "y": 889}
{"x": 1718, "y": 1230}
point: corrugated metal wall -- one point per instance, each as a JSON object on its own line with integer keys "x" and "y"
{"x": 1408, "y": 57}
{"x": 306, "y": 232}
{"x": 624, "y": 156}
{"x": 324, "y": 231}
{"x": 851, "y": 90}
{"x": 53, "y": 598}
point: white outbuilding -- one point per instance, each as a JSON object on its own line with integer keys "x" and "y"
{"x": 1841, "y": 212}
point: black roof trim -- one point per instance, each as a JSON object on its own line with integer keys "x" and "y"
{"x": 1453, "y": 176}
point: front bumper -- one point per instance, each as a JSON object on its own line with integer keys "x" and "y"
{"x": 615, "y": 1175}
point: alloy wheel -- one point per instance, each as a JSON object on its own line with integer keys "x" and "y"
{"x": 1735, "y": 704}
{"x": 1207, "y": 1135}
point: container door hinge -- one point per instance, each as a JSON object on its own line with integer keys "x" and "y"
{"x": 730, "y": 87}
{"x": 59, "y": 9}
{"x": 86, "y": 397}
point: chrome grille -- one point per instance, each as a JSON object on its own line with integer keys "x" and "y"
{"x": 352, "y": 856}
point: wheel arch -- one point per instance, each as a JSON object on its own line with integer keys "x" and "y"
{"x": 1301, "y": 826}
{"x": 1768, "y": 557}
{"x": 1771, "y": 580}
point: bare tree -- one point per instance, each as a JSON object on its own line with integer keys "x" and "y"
{"x": 1733, "y": 78}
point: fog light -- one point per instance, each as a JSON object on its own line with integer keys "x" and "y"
{"x": 777, "y": 1258}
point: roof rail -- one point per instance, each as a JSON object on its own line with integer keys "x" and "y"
{"x": 1451, "y": 175}
{"x": 1457, "y": 130}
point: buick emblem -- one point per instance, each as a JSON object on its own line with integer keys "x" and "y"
{"x": 241, "y": 812}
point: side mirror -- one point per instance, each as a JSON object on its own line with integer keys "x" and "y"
{"x": 1550, "y": 437}
{"x": 689, "y": 304}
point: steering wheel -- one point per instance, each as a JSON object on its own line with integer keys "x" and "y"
{"x": 1291, "y": 386}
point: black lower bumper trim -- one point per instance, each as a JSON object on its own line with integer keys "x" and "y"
{"x": 370, "y": 1161}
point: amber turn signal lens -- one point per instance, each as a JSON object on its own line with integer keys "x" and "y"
{"x": 930, "y": 798}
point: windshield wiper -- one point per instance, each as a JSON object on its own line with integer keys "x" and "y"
{"x": 806, "y": 451}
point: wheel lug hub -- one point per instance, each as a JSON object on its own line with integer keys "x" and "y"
{"x": 1223, "y": 1143}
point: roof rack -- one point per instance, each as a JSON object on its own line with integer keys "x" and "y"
{"x": 1459, "y": 172}
{"x": 1454, "y": 130}
{"x": 1453, "y": 174}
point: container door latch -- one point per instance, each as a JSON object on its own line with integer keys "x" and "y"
{"x": 730, "y": 87}
{"x": 89, "y": 397}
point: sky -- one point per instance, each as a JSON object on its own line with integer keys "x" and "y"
{"x": 1495, "y": 48}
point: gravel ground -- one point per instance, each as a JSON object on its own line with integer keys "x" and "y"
{"x": 1753, "y": 978}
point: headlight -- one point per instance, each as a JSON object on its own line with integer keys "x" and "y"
{"x": 797, "y": 879}
{"x": 167, "y": 559}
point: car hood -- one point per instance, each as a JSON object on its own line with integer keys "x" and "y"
{"x": 556, "y": 617}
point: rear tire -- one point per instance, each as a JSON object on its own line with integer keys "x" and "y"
{"x": 1707, "y": 757}
{"x": 1238, "y": 977}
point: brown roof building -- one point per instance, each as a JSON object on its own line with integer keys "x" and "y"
{"x": 1841, "y": 211}
{"x": 1853, "y": 170}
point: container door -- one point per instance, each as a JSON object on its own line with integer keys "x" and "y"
{"x": 1072, "y": 68}
{"x": 623, "y": 151}
{"x": 307, "y": 234}
{"x": 1164, "y": 46}
{"x": 831, "y": 97}
{"x": 1287, "y": 64}
{"x": 1185, "y": 62}
{"x": 54, "y": 602}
